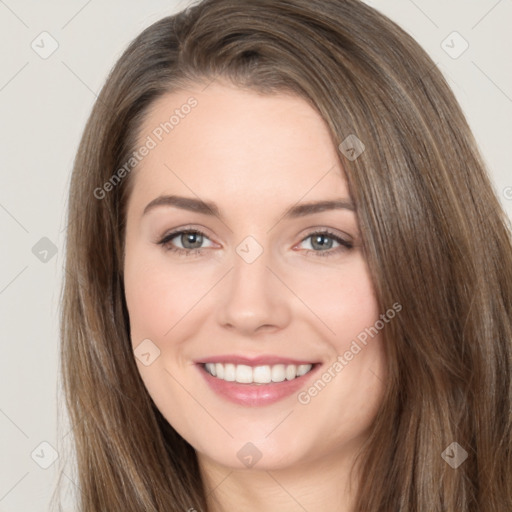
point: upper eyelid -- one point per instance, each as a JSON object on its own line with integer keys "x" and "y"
{"x": 175, "y": 232}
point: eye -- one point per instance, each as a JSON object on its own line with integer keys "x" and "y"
{"x": 185, "y": 242}
{"x": 322, "y": 243}
{"x": 189, "y": 242}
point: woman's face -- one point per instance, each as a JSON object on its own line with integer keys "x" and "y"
{"x": 268, "y": 291}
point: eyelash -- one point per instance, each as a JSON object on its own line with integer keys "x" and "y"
{"x": 165, "y": 243}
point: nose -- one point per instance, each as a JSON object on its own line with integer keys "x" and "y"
{"x": 253, "y": 299}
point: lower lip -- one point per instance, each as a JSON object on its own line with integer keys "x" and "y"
{"x": 255, "y": 395}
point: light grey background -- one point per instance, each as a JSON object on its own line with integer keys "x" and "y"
{"x": 44, "y": 104}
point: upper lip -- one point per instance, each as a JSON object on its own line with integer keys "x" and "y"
{"x": 262, "y": 360}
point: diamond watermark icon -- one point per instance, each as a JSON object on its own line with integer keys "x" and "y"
{"x": 454, "y": 455}
{"x": 249, "y": 249}
{"x": 44, "y": 250}
{"x": 44, "y": 455}
{"x": 44, "y": 45}
{"x": 352, "y": 147}
{"x": 249, "y": 455}
{"x": 146, "y": 352}
{"x": 454, "y": 45}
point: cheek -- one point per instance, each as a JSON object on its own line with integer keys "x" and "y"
{"x": 343, "y": 301}
{"x": 157, "y": 295}
{"x": 147, "y": 293}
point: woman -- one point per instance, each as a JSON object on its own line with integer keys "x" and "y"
{"x": 288, "y": 279}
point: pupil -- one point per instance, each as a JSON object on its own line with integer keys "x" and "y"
{"x": 317, "y": 240}
{"x": 189, "y": 238}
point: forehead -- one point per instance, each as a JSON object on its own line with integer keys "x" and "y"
{"x": 229, "y": 143}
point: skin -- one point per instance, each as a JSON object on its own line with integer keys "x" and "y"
{"x": 255, "y": 156}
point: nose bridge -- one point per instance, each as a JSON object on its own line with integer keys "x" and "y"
{"x": 250, "y": 278}
{"x": 253, "y": 296}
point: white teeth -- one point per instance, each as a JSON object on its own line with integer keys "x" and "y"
{"x": 229, "y": 372}
{"x": 262, "y": 374}
{"x": 303, "y": 369}
{"x": 291, "y": 372}
{"x": 245, "y": 374}
{"x": 278, "y": 373}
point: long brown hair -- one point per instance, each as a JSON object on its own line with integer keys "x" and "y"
{"x": 436, "y": 239}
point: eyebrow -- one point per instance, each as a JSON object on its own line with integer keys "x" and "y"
{"x": 209, "y": 208}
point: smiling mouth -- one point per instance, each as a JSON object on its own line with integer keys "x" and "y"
{"x": 264, "y": 374}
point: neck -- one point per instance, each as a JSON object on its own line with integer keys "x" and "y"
{"x": 319, "y": 485}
